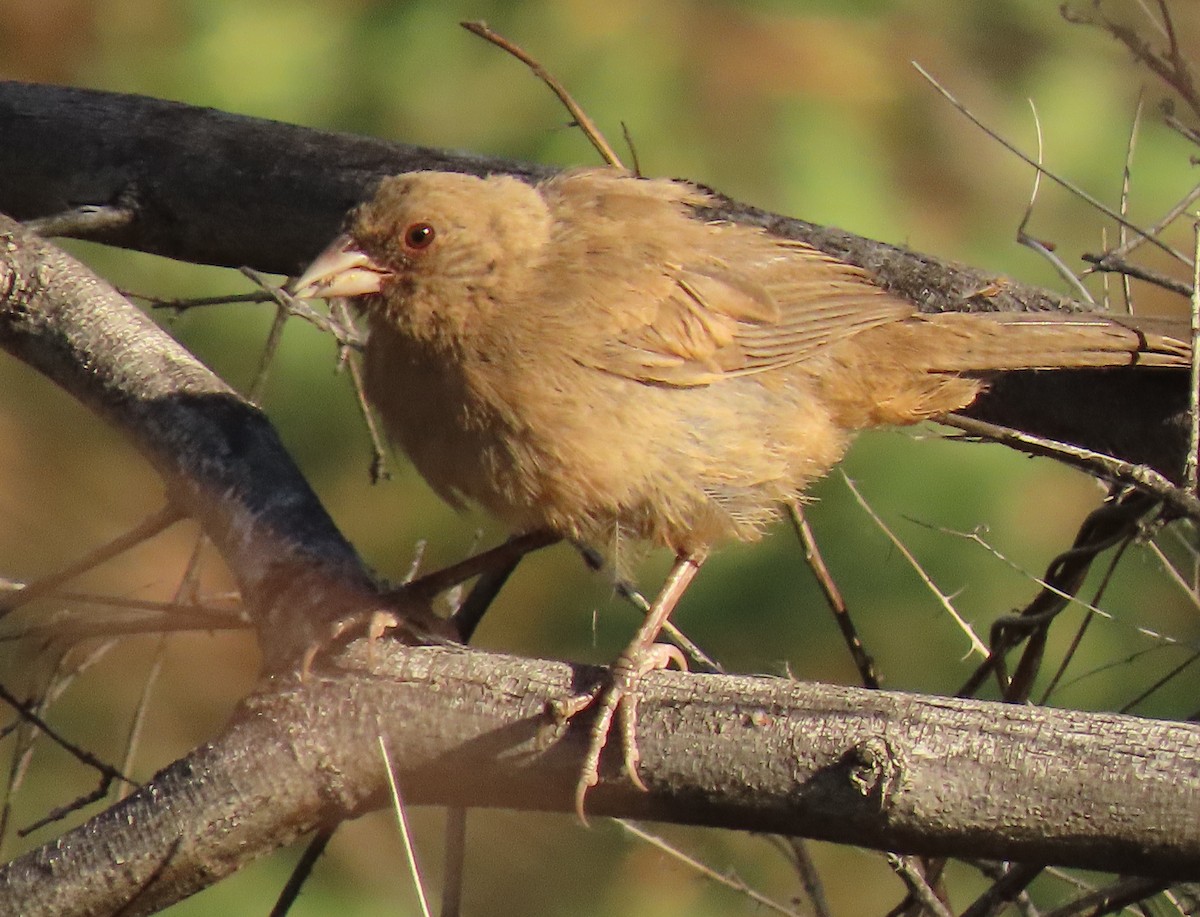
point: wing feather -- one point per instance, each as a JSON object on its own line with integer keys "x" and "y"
{"x": 688, "y": 302}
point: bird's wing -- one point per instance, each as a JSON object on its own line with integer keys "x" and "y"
{"x": 771, "y": 304}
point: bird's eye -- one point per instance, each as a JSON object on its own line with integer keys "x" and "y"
{"x": 419, "y": 236}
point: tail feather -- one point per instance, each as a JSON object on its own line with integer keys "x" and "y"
{"x": 997, "y": 341}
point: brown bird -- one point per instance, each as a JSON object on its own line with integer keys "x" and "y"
{"x": 590, "y": 357}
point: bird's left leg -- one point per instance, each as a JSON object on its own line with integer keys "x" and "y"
{"x": 619, "y": 696}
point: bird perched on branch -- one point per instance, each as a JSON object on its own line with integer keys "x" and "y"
{"x": 589, "y": 356}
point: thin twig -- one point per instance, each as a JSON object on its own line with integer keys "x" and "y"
{"x": 1126, "y": 182}
{"x": 1037, "y": 245}
{"x": 607, "y": 153}
{"x": 1112, "y": 899}
{"x": 977, "y": 645}
{"x": 185, "y": 304}
{"x": 1171, "y": 216}
{"x": 301, "y": 871}
{"x": 405, "y": 835}
{"x": 345, "y": 334}
{"x": 270, "y": 348}
{"x": 810, "y": 876}
{"x": 186, "y": 590}
{"x": 454, "y": 867}
{"x": 1189, "y": 465}
{"x": 863, "y": 660}
{"x": 1113, "y": 265}
{"x": 708, "y": 872}
{"x": 629, "y": 592}
{"x": 379, "y": 470}
{"x": 1173, "y": 574}
{"x": 909, "y": 870}
{"x": 1065, "y": 183}
{"x": 1007, "y": 888}
{"x": 1159, "y": 683}
{"x": 143, "y": 531}
{"x": 1172, "y": 67}
{"x": 108, "y": 773}
{"x": 1106, "y": 466}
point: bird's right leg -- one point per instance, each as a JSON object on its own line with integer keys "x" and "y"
{"x": 619, "y": 697}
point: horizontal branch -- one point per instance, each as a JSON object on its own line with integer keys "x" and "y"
{"x": 923, "y": 775}
{"x": 203, "y": 185}
{"x": 207, "y": 186}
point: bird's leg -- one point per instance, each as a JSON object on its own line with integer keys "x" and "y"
{"x": 619, "y": 696}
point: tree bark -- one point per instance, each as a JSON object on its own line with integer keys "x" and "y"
{"x": 928, "y": 775}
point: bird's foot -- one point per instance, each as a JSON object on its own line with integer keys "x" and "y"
{"x": 617, "y": 697}
{"x": 394, "y": 613}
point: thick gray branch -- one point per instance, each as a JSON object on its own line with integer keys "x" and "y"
{"x": 893, "y": 771}
{"x": 219, "y": 457}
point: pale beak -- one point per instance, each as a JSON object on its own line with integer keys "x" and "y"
{"x": 341, "y": 270}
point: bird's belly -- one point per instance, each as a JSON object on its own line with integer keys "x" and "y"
{"x": 602, "y": 458}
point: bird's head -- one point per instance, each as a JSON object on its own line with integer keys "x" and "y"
{"x": 434, "y": 249}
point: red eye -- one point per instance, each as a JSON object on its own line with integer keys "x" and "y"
{"x": 419, "y": 236}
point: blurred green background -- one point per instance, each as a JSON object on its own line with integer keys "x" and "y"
{"x": 807, "y": 108}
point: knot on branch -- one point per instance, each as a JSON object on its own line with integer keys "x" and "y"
{"x": 875, "y": 769}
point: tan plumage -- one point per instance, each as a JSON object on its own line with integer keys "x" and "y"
{"x": 588, "y": 356}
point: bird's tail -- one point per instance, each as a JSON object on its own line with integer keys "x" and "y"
{"x": 996, "y": 341}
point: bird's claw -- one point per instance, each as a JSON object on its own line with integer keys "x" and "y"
{"x": 372, "y": 624}
{"x": 618, "y": 698}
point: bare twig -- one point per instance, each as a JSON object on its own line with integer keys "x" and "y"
{"x": 707, "y": 871}
{"x": 1006, "y": 889}
{"x": 1170, "y": 66}
{"x": 1115, "y": 265}
{"x": 833, "y": 596}
{"x": 344, "y": 332}
{"x": 1189, "y": 465}
{"x": 454, "y": 867}
{"x": 378, "y": 470}
{"x": 301, "y": 871}
{"x": 796, "y": 849}
{"x": 1110, "y": 900}
{"x": 188, "y": 303}
{"x": 1065, "y": 183}
{"x": 108, "y": 773}
{"x": 909, "y": 870}
{"x": 143, "y": 531}
{"x": 398, "y": 808}
{"x": 581, "y": 117}
{"x": 1105, "y": 466}
{"x": 976, "y": 645}
{"x": 83, "y": 222}
{"x": 1159, "y": 683}
{"x": 1037, "y": 245}
{"x": 1126, "y": 181}
{"x": 1176, "y": 211}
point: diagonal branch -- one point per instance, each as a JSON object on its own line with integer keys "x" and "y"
{"x": 219, "y": 458}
